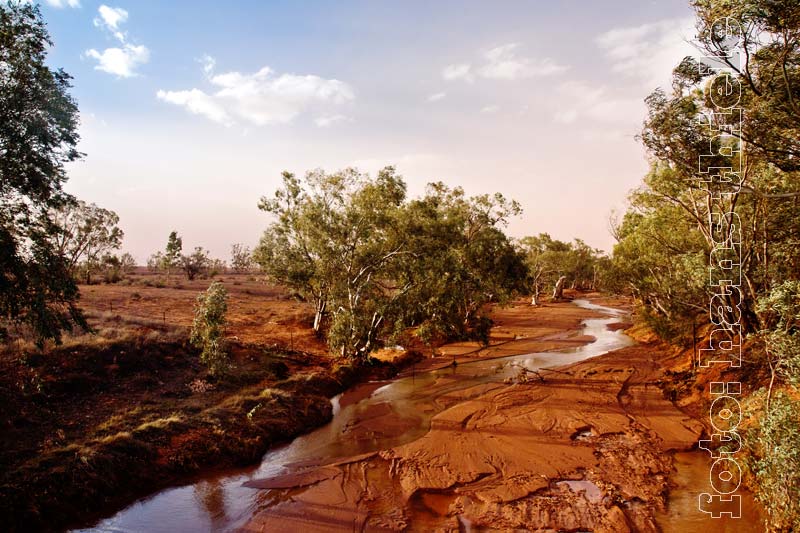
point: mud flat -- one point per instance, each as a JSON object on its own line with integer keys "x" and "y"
{"x": 559, "y": 425}
{"x": 585, "y": 447}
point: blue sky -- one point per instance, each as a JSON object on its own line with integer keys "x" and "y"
{"x": 190, "y": 110}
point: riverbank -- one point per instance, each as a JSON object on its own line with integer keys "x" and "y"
{"x": 584, "y": 448}
{"x": 103, "y": 420}
{"x": 99, "y": 426}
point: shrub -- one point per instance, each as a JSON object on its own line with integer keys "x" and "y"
{"x": 208, "y": 328}
{"x": 777, "y": 462}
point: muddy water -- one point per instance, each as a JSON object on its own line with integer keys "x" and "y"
{"x": 396, "y": 412}
{"x": 691, "y": 478}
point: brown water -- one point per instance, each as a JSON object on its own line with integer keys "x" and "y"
{"x": 690, "y": 479}
{"x": 223, "y": 502}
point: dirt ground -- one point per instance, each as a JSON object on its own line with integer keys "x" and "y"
{"x": 584, "y": 451}
{"x": 258, "y": 313}
{"x": 587, "y": 449}
{"x": 89, "y": 426}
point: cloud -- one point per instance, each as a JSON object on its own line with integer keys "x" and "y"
{"x": 120, "y": 61}
{"x": 650, "y": 51}
{"x": 327, "y": 120}
{"x": 436, "y": 97}
{"x": 490, "y": 108}
{"x": 262, "y": 98}
{"x": 110, "y": 19}
{"x": 208, "y": 63}
{"x": 123, "y": 60}
{"x": 503, "y": 63}
{"x": 458, "y": 72}
{"x": 585, "y": 101}
{"x": 197, "y": 102}
{"x": 63, "y": 3}
{"x": 566, "y": 116}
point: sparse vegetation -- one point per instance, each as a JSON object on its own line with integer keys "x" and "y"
{"x": 208, "y": 328}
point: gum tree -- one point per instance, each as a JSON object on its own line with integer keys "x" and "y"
{"x": 38, "y": 136}
{"x": 208, "y": 328}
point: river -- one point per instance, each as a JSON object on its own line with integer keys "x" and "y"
{"x": 373, "y": 416}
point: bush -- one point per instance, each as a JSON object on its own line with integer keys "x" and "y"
{"x": 777, "y": 462}
{"x": 208, "y": 328}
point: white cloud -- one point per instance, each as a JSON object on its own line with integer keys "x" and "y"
{"x": 503, "y": 63}
{"x": 63, "y": 3}
{"x": 208, "y": 63}
{"x": 566, "y": 116}
{"x": 327, "y": 120}
{"x": 462, "y": 71}
{"x": 436, "y": 97}
{"x": 649, "y": 51}
{"x": 198, "y": 103}
{"x": 120, "y": 61}
{"x": 584, "y": 101}
{"x": 110, "y": 17}
{"x": 490, "y": 108}
{"x": 262, "y": 97}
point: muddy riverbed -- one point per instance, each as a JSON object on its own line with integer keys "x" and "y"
{"x": 501, "y": 442}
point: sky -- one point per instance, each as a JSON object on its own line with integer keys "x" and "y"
{"x": 190, "y": 110}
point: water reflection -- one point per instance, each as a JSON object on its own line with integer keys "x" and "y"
{"x": 211, "y": 495}
{"x": 221, "y": 502}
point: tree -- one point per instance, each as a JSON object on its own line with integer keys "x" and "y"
{"x": 127, "y": 263}
{"x": 172, "y": 255}
{"x": 548, "y": 260}
{"x": 38, "y": 135}
{"x": 208, "y": 328}
{"x": 462, "y": 263}
{"x": 196, "y": 263}
{"x": 155, "y": 262}
{"x": 374, "y": 263}
{"x": 241, "y": 258}
{"x": 333, "y": 242}
{"x": 293, "y": 250}
{"x": 85, "y": 233}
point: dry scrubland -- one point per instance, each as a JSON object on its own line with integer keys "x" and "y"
{"x": 110, "y": 416}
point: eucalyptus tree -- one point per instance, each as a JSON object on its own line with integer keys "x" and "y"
{"x": 85, "y": 234}
{"x": 375, "y": 264}
{"x": 172, "y": 256}
{"x": 38, "y": 136}
{"x": 463, "y": 260}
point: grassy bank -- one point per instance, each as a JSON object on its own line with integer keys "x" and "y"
{"x": 88, "y": 429}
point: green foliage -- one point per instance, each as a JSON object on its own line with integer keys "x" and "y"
{"x": 374, "y": 263}
{"x": 198, "y": 262}
{"x": 208, "y": 328}
{"x": 462, "y": 262}
{"x": 172, "y": 255}
{"x": 780, "y": 312}
{"x": 548, "y": 259}
{"x": 86, "y": 233}
{"x": 241, "y": 258}
{"x": 38, "y": 135}
{"x": 666, "y": 238}
{"x": 776, "y": 463}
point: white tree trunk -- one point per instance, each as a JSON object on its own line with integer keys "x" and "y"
{"x": 558, "y": 291}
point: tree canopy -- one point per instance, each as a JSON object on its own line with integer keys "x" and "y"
{"x": 38, "y": 136}
{"x": 374, "y": 263}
